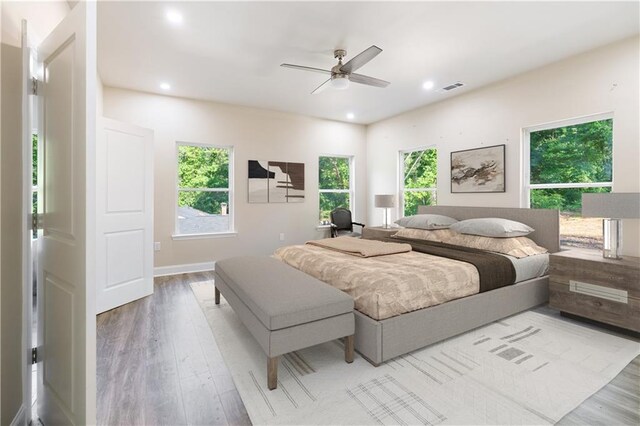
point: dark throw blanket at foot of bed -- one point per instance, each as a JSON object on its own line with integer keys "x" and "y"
{"x": 495, "y": 270}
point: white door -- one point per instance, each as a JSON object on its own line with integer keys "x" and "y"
{"x": 66, "y": 267}
{"x": 124, "y": 213}
{"x": 27, "y": 184}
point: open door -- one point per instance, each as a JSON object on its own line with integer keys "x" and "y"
{"x": 27, "y": 185}
{"x": 124, "y": 214}
{"x": 66, "y": 264}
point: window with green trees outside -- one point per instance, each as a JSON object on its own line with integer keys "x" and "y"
{"x": 566, "y": 162}
{"x": 419, "y": 171}
{"x": 34, "y": 180}
{"x": 334, "y": 183}
{"x": 204, "y": 194}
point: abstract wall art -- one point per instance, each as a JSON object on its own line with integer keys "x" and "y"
{"x": 276, "y": 182}
{"x": 478, "y": 170}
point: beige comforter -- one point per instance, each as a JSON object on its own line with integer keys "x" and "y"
{"x": 386, "y": 286}
{"x": 360, "y": 247}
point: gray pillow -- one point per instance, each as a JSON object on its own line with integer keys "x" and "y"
{"x": 492, "y": 227}
{"x": 426, "y": 221}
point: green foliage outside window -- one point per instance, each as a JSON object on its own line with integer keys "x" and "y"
{"x": 34, "y": 178}
{"x": 414, "y": 199}
{"x": 420, "y": 172}
{"x": 571, "y": 154}
{"x": 203, "y": 168}
{"x": 334, "y": 174}
{"x": 332, "y": 200}
{"x": 34, "y": 159}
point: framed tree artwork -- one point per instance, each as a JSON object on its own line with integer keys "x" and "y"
{"x": 478, "y": 170}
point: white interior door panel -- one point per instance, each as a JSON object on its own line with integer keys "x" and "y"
{"x": 125, "y": 214}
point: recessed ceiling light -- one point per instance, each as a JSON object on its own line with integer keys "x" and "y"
{"x": 351, "y": 115}
{"x": 174, "y": 17}
{"x": 165, "y": 86}
{"x": 427, "y": 85}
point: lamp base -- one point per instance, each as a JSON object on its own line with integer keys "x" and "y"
{"x": 386, "y": 218}
{"x": 612, "y": 233}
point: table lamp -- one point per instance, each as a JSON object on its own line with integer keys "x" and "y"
{"x": 613, "y": 206}
{"x": 385, "y": 201}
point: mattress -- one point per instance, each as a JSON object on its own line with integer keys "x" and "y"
{"x": 530, "y": 267}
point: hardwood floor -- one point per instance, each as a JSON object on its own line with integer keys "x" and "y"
{"x": 618, "y": 403}
{"x": 158, "y": 364}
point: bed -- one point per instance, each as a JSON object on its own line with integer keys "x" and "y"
{"x": 385, "y": 330}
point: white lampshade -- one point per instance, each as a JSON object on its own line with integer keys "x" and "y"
{"x": 612, "y": 207}
{"x": 619, "y": 205}
{"x": 339, "y": 82}
{"x": 385, "y": 200}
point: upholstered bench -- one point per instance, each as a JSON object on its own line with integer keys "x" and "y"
{"x": 284, "y": 309}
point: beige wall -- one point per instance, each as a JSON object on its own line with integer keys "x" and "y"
{"x": 255, "y": 135}
{"x": 11, "y": 269}
{"x": 602, "y": 80}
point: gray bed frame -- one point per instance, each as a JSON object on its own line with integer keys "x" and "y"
{"x": 380, "y": 341}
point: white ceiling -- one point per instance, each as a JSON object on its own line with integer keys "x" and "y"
{"x": 231, "y": 52}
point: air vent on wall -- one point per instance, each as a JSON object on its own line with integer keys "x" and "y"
{"x": 451, "y": 87}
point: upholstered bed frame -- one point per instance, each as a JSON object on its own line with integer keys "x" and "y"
{"x": 380, "y": 341}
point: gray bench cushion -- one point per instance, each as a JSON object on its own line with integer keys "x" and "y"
{"x": 279, "y": 295}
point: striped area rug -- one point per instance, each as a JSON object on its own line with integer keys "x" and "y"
{"x": 531, "y": 368}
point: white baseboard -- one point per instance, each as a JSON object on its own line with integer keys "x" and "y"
{"x": 20, "y": 419}
{"x": 161, "y": 271}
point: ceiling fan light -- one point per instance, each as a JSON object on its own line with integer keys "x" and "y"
{"x": 340, "y": 82}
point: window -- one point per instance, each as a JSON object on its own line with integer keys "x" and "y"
{"x": 335, "y": 184}
{"x": 34, "y": 180}
{"x": 419, "y": 177}
{"x": 205, "y": 198}
{"x": 564, "y": 162}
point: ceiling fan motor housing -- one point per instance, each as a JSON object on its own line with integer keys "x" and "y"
{"x": 339, "y": 54}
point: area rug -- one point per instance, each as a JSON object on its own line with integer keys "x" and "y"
{"x": 530, "y": 368}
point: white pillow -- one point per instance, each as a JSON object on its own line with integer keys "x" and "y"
{"x": 426, "y": 221}
{"x": 492, "y": 227}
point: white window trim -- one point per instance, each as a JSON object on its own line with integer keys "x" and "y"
{"x": 231, "y": 231}
{"x": 352, "y": 183}
{"x": 525, "y": 199}
{"x": 401, "y": 188}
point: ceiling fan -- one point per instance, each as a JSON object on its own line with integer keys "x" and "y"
{"x": 342, "y": 74}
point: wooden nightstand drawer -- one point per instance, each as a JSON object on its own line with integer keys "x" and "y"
{"x": 614, "y": 274}
{"x": 626, "y": 315}
{"x": 601, "y": 287}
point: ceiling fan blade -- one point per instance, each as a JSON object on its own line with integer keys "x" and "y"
{"x": 303, "y": 68}
{"x": 365, "y": 79}
{"x": 321, "y": 87}
{"x": 361, "y": 59}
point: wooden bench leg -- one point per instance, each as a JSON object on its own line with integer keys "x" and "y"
{"x": 348, "y": 349}
{"x": 217, "y": 292}
{"x": 272, "y": 372}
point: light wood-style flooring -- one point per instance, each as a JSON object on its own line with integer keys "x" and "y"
{"x": 158, "y": 364}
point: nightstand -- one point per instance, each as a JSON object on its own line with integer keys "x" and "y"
{"x": 583, "y": 283}
{"x": 377, "y": 232}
